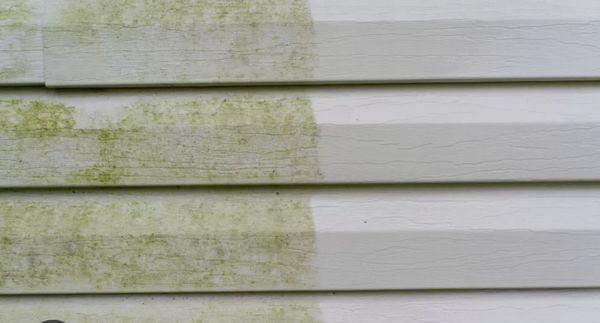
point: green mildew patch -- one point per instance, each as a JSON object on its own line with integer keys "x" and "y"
{"x": 14, "y": 12}
{"x": 16, "y": 68}
{"x": 237, "y": 139}
{"x": 160, "y": 310}
{"x": 187, "y": 41}
{"x": 22, "y": 119}
{"x": 183, "y": 13}
{"x": 156, "y": 243}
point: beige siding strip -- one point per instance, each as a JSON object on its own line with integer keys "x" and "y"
{"x": 406, "y": 307}
{"x": 181, "y": 42}
{"x": 21, "y": 47}
{"x": 365, "y": 134}
{"x": 156, "y": 138}
{"x": 155, "y": 242}
{"x": 292, "y": 239}
{"x": 184, "y": 42}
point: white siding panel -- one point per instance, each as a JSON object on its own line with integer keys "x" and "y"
{"x": 366, "y": 134}
{"x": 21, "y": 48}
{"x": 448, "y": 307}
{"x": 90, "y": 43}
{"x": 259, "y": 239}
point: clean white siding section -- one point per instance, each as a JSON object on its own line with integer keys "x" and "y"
{"x": 463, "y": 237}
{"x": 320, "y": 41}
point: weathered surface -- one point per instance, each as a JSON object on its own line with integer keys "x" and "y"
{"x": 93, "y": 242}
{"x": 170, "y": 41}
{"x": 21, "y": 42}
{"x": 208, "y": 42}
{"x": 229, "y": 139}
{"x": 521, "y": 306}
{"x": 200, "y": 313}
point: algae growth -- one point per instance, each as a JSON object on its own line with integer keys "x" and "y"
{"x": 35, "y": 118}
{"x": 14, "y": 13}
{"x": 185, "y": 41}
{"x": 183, "y": 13}
{"x": 130, "y": 244}
{"x": 193, "y": 310}
{"x": 17, "y": 68}
{"x": 240, "y": 139}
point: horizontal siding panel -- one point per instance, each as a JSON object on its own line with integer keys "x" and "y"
{"x": 290, "y": 239}
{"x": 90, "y": 43}
{"x": 450, "y": 307}
{"x": 366, "y": 134}
{"x": 21, "y": 47}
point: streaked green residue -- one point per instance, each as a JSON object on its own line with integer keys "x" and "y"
{"x": 197, "y": 310}
{"x": 191, "y": 40}
{"x": 35, "y": 118}
{"x": 128, "y": 244}
{"x": 14, "y": 12}
{"x": 183, "y": 13}
{"x": 240, "y": 139}
{"x": 15, "y": 69}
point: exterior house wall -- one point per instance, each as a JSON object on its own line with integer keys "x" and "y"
{"x": 226, "y": 161}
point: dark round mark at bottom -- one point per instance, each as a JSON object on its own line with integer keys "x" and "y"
{"x": 53, "y": 321}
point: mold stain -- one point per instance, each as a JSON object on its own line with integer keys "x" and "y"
{"x": 35, "y": 118}
{"x": 205, "y": 243}
{"x": 177, "y": 14}
{"x": 15, "y": 69}
{"x": 240, "y": 139}
{"x": 205, "y": 310}
{"x": 204, "y": 40}
{"x": 14, "y": 13}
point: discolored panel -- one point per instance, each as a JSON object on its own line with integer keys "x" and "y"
{"x": 230, "y": 241}
{"x": 179, "y": 41}
{"x": 206, "y": 140}
{"x": 21, "y": 42}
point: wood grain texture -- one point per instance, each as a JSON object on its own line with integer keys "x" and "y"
{"x": 184, "y": 42}
{"x": 292, "y": 239}
{"x": 452, "y": 307}
{"x": 366, "y": 134}
{"x": 21, "y": 46}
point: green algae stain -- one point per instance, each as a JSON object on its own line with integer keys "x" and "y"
{"x": 14, "y": 13}
{"x": 239, "y": 139}
{"x": 203, "y": 310}
{"x": 204, "y": 243}
{"x": 17, "y": 68}
{"x": 208, "y": 40}
{"x": 182, "y": 13}
{"x": 35, "y": 118}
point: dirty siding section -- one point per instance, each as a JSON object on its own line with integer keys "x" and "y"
{"x": 201, "y": 313}
{"x": 154, "y": 42}
{"x": 152, "y": 240}
{"x": 167, "y": 241}
{"x": 20, "y": 41}
{"x": 218, "y": 140}
{"x": 102, "y": 238}
{"x": 164, "y": 308}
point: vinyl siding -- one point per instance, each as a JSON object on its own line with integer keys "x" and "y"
{"x": 230, "y": 161}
